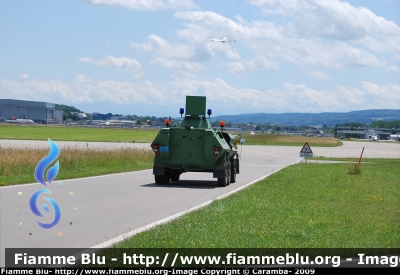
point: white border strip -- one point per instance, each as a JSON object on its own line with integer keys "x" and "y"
{"x": 173, "y": 217}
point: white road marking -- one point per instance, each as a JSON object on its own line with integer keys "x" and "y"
{"x": 173, "y": 217}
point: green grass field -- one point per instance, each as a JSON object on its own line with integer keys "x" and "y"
{"x": 17, "y": 165}
{"x": 301, "y": 206}
{"x": 57, "y": 133}
{"x": 289, "y": 140}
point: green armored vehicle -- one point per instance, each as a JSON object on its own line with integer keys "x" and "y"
{"x": 195, "y": 146}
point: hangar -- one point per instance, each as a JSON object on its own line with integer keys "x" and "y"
{"x": 39, "y": 112}
{"x": 364, "y": 132}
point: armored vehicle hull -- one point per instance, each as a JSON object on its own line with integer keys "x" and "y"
{"x": 195, "y": 146}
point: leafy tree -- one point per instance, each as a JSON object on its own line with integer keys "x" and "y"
{"x": 353, "y": 124}
{"x": 68, "y": 109}
{"x": 215, "y": 123}
{"x": 68, "y": 112}
{"x": 386, "y": 124}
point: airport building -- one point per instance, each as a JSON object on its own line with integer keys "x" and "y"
{"x": 39, "y": 112}
{"x": 365, "y": 132}
{"x": 98, "y": 116}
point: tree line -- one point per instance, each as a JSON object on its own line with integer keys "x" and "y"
{"x": 376, "y": 124}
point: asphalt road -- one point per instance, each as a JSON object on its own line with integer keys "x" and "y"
{"x": 98, "y": 209}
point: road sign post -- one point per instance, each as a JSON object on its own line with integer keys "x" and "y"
{"x": 306, "y": 151}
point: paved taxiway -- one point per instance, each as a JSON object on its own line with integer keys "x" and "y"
{"x": 350, "y": 149}
{"x": 98, "y": 209}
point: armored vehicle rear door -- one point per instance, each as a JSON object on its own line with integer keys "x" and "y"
{"x": 187, "y": 146}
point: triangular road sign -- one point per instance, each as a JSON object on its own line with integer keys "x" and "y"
{"x": 306, "y": 149}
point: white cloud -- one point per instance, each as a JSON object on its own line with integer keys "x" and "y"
{"x": 162, "y": 47}
{"x": 262, "y": 62}
{"x": 236, "y": 68}
{"x": 334, "y": 19}
{"x": 328, "y": 33}
{"x": 218, "y": 26}
{"x": 232, "y": 54}
{"x": 120, "y": 63}
{"x": 54, "y": 91}
{"x": 339, "y": 21}
{"x": 383, "y": 94}
{"x": 80, "y": 78}
{"x": 24, "y": 76}
{"x": 394, "y": 68}
{"x": 147, "y": 5}
{"x": 292, "y": 97}
{"x": 85, "y": 90}
{"x": 177, "y": 65}
{"x": 319, "y": 75}
{"x": 222, "y": 49}
{"x": 288, "y": 98}
{"x": 173, "y": 56}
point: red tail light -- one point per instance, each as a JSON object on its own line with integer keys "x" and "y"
{"x": 155, "y": 149}
{"x": 216, "y": 151}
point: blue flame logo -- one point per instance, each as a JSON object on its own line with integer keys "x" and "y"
{"x": 35, "y": 210}
{"x": 50, "y": 175}
{"x": 45, "y": 162}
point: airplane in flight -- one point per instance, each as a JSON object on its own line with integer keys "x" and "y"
{"x": 223, "y": 40}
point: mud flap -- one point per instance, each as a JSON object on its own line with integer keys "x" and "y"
{"x": 158, "y": 171}
{"x": 218, "y": 173}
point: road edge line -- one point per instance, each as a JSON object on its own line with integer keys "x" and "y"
{"x": 122, "y": 237}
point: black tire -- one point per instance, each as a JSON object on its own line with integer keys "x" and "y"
{"x": 159, "y": 179}
{"x": 223, "y": 182}
{"x": 175, "y": 175}
{"x": 167, "y": 175}
{"x": 228, "y": 168}
{"x": 233, "y": 171}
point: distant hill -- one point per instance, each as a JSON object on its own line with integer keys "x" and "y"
{"x": 305, "y": 119}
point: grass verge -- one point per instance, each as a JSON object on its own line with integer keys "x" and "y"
{"x": 56, "y": 133}
{"x": 17, "y": 165}
{"x": 301, "y": 206}
{"x": 269, "y": 139}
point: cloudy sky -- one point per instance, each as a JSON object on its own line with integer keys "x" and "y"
{"x": 143, "y": 57}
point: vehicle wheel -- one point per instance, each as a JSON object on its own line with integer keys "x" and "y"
{"x": 233, "y": 171}
{"x": 223, "y": 182}
{"x": 159, "y": 179}
{"x": 228, "y": 171}
{"x": 175, "y": 175}
{"x": 167, "y": 175}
